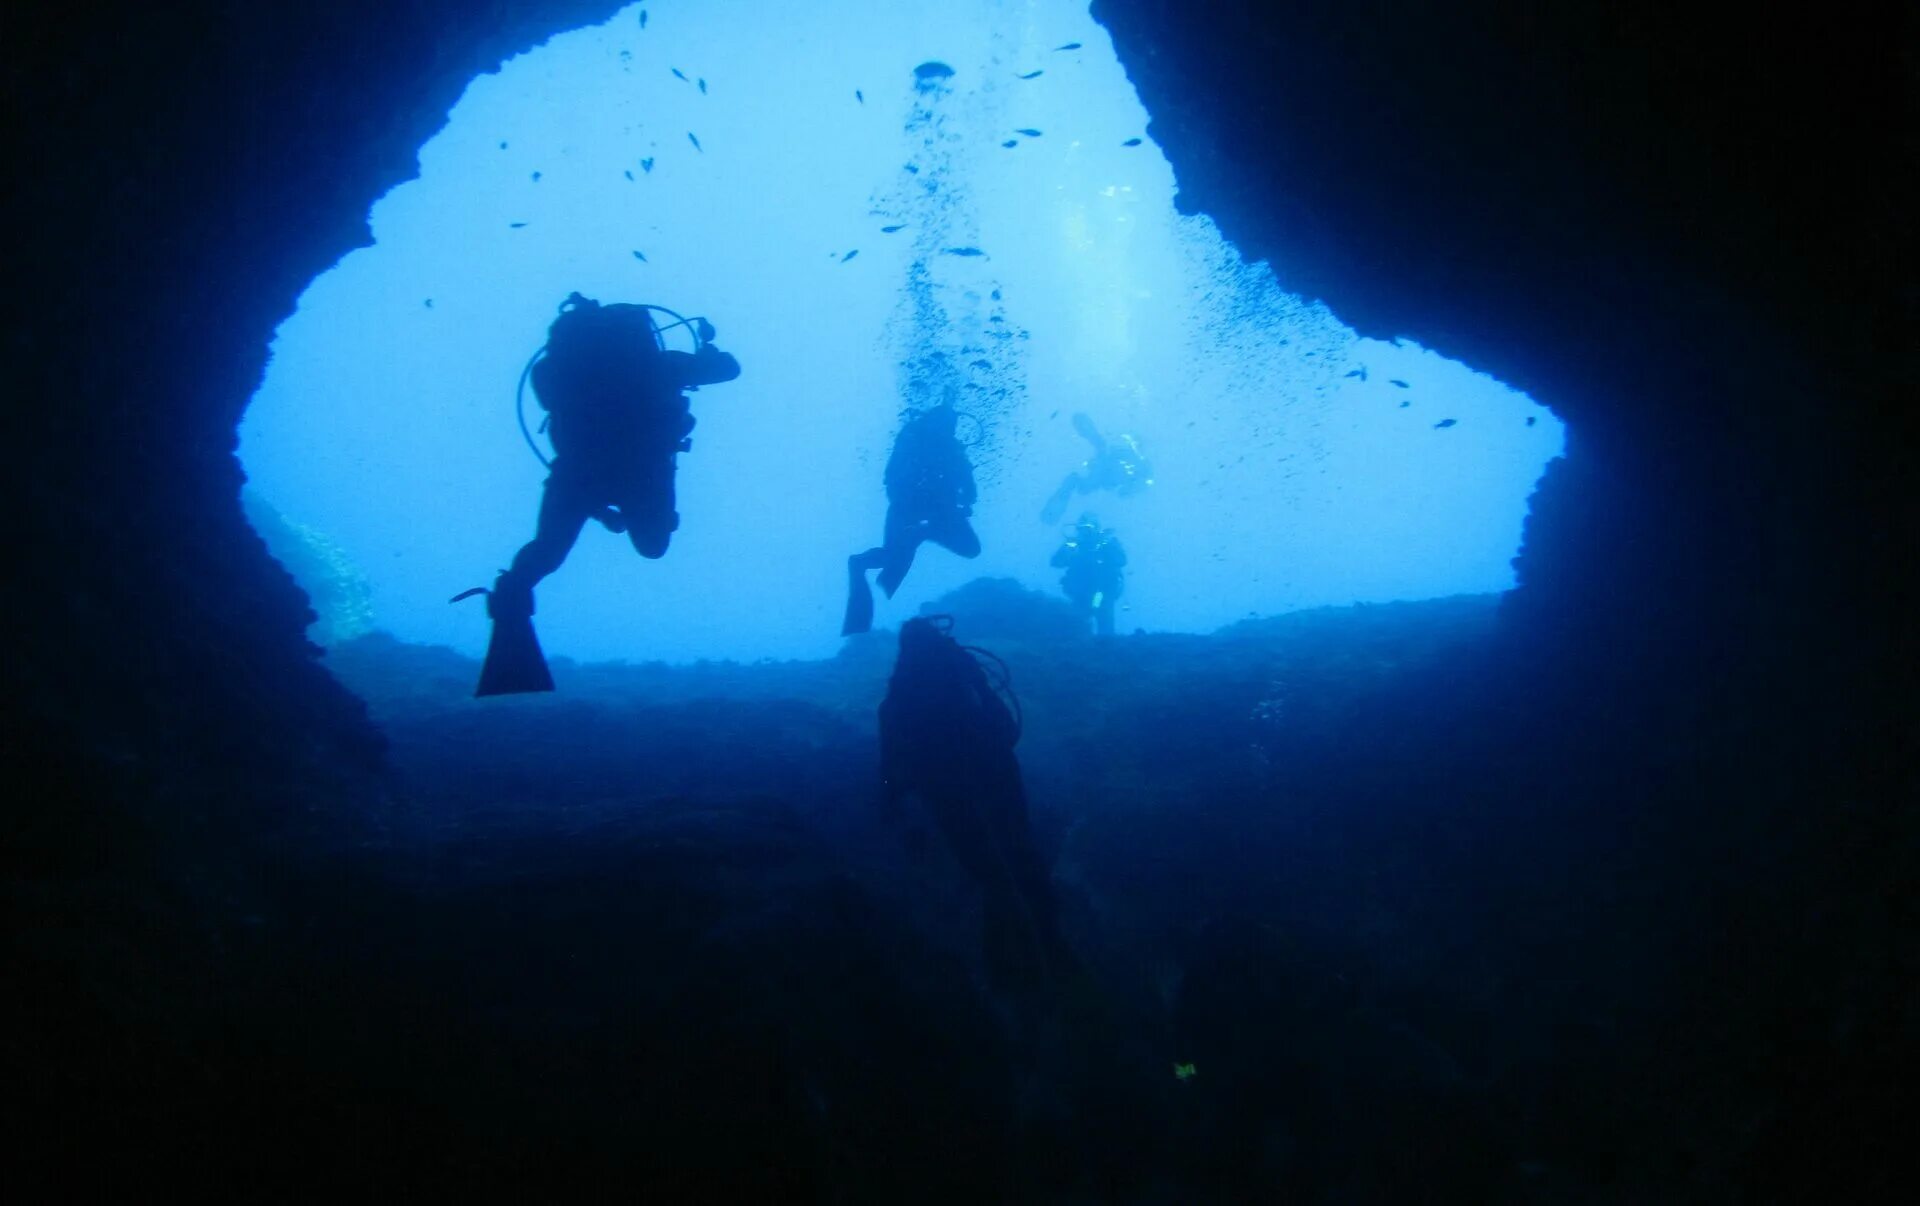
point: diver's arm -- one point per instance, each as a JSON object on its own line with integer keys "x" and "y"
{"x": 708, "y": 366}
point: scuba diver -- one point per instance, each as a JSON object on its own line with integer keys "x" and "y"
{"x": 930, "y": 496}
{"x": 947, "y": 736}
{"x": 1094, "y": 562}
{"x": 1116, "y": 466}
{"x": 618, "y": 417}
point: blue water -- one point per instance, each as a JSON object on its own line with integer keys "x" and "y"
{"x": 1296, "y": 464}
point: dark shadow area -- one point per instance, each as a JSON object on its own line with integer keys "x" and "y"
{"x": 1601, "y": 896}
{"x": 658, "y": 922}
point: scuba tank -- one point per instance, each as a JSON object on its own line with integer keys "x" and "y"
{"x": 589, "y": 337}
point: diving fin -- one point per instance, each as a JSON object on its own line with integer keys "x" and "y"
{"x": 1056, "y": 508}
{"x": 1088, "y": 432}
{"x": 859, "y": 603}
{"x": 514, "y": 665}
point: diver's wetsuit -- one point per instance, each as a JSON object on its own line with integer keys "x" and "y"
{"x": 946, "y": 736}
{"x": 1117, "y": 466}
{"x": 930, "y": 496}
{"x": 1095, "y": 565}
{"x": 616, "y": 427}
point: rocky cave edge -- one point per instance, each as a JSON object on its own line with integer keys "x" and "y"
{"x": 1689, "y": 237}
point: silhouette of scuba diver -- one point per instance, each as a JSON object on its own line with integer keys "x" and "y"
{"x": 1116, "y": 466}
{"x": 618, "y": 417}
{"x": 1095, "y": 565}
{"x": 930, "y": 496}
{"x": 947, "y": 736}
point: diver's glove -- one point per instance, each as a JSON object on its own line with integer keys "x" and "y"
{"x": 704, "y": 329}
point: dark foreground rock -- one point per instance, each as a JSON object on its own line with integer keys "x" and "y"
{"x": 651, "y": 935}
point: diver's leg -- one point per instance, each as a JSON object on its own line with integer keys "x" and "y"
{"x": 1088, "y": 432}
{"x": 1082, "y": 606}
{"x": 903, "y": 539}
{"x": 858, "y": 617}
{"x": 1103, "y": 615}
{"x": 956, "y": 535}
{"x": 859, "y": 613}
{"x": 647, "y": 508}
{"x": 564, "y": 508}
{"x": 514, "y": 663}
{"x": 1056, "y": 508}
{"x": 897, "y": 559}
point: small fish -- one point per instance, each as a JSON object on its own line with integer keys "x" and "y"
{"x": 961, "y": 251}
{"x": 1530, "y": 418}
{"x": 1396, "y": 381}
{"x": 1054, "y": 415}
{"x": 536, "y": 177}
{"x": 979, "y": 364}
{"x": 703, "y": 85}
{"x": 899, "y": 226}
{"x": 430, "y": 306}
{"x": 1030, "y": 133}
{"x": 1360, "y": 372}
{"x": 1069, "y": 46}
{"x": 1011, "y": 142}
{"x": 1033, "y": 75}
{"x": 643, "y": 18}
{"x": 849, "y": 255}
{"x": 859, "y": 96}
{"x": 641, "y": 258}
{"x": 1404, "y": 405}
{"x": 1445, "y": 423}
{"x": 629, "y": 173}
{"x": 695, "y": 142}
{"x": 1131, "y": 142}
{"x": 646, "y": 165}
{"x": 679, "y": 73}
{"x": 503, "y": 146}
{"x": 932, "y": 69}
{"x": 516, "y": 225}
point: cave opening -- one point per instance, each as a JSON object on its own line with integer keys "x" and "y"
{"x": 876, "y": 208}
{"x": 1579, "y": 892}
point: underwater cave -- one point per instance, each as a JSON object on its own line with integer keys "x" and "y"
{"x": 1431, "y": 828}
{"x": 867, "y": 241}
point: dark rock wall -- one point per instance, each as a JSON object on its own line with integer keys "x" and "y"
{"x": 1688, "y": 234}
{"x": 179, "y": 176}
{"x": 1683, "y": 232}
